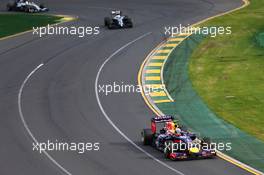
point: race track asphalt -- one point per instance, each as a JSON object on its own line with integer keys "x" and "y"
{"x": 59, "y": 101}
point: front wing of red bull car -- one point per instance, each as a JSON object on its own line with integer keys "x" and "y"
{"x": 187, "y": 148}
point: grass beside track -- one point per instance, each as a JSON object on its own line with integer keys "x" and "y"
{"x": 15, "y": 23}
{"x": 228, "y": 71}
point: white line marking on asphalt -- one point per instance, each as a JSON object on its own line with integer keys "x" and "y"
{"x": 25, "y": 123}
{"x": 111, "y": 122}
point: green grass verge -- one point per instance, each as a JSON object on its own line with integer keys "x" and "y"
{"x": 15, "y": 23}
{"x": 228, "y": 71}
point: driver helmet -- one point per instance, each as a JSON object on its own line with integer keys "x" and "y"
{"x": 170, "y": 126}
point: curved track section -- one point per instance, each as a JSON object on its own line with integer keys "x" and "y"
{"x": 59, "y": 101}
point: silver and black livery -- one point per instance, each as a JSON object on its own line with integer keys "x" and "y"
{"x": 25, "y": 6}
{"x": 117, "y": 20}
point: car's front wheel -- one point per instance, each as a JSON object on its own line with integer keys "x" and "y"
{"x": 107, "y": 21}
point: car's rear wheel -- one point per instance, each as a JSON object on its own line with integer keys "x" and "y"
{"x": 9, "y": 7}
{"x": 107, "y": 21}
{"x": 147, "y": 137}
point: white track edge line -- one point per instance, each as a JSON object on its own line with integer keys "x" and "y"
{"x": 111, "y": 122}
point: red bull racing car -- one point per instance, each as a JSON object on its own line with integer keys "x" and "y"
{"x": 175, "y": 141}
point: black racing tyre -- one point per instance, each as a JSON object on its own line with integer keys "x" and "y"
{"x": 147, "y": 137}
{"x": 9, "y": 7}
{"x": 107, "y": 21}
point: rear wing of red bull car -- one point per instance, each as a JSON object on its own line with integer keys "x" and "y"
{"x": 159, "y": 119}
